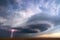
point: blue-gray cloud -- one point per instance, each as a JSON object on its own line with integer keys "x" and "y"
{"x": 17, "y": 13}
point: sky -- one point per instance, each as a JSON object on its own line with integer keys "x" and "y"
{"x": 26, "y": 15}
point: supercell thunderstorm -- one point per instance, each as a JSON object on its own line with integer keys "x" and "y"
{"x": 31, "y": 16}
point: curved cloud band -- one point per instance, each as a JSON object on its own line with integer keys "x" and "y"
{"x": 16, "y": 13}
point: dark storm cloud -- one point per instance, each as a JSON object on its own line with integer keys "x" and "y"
{"x": 15, "y": 9}
{"x": 33, "y": 10}
{"x": 41, "y": 27}
{"x": 34, "y": 28}
{"x": 3, "y": 2}
{"x": 4, "y": 7}
{"x": 8, "y": 9}
{"x": 4, "y": 33}
{"x": 39, "y": 17}
{"x": 50, "y": 12}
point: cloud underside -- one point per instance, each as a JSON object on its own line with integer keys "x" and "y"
{"x": 18, "y": 13}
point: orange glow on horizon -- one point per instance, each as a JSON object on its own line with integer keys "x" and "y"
{"x": 52, "y": 35}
